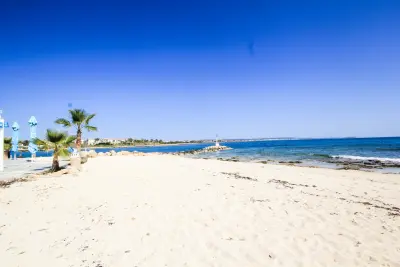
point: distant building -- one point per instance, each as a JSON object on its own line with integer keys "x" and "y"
{"x": 91, "y": 142}
{"x": 116, "y": 141}
{"x": 113, "y": 141}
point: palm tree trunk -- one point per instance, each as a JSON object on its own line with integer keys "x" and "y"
{"x": 56, "y": 165}
{"x": 78, "y": 139}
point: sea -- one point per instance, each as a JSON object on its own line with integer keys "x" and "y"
{"x": 309, "y": 151}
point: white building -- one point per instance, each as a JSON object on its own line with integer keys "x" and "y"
{"x": 91, "y": 142}
{"x": 113, "y": 141}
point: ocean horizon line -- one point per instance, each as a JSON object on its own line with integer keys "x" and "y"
{"x": 305, "y": 138}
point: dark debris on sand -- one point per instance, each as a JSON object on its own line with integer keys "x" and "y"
{"x": 289, "y": 185}
{"x": 235, "y": 175}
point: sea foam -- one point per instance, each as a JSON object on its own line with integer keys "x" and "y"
{"x": 396, "y": 160}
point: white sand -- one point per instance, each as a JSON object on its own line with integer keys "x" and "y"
{"x": 172, "y": 211}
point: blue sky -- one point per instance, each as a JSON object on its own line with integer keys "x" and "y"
{"x": 191, "y": 69}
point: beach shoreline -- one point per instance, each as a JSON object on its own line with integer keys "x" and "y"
{"x": 377, "y": 154}
{"x": 132, "y": 146}
{"x": 339, "y": 165}
{"x": 342, "y": 164}
{"x": 122, "y": 211}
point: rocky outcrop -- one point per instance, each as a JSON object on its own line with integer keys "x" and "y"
{"x": 208, "y": 149}
{"x": 84, "y": 156}
{"x": 92, "y": 154}
{"x": 232, "y": 159}
{"x": 355, "y": 164}
{"x": 84, "y": 159}
{"x": 76, "y": 162}
{"x": 214, "y": 149}
{"x": 266, "y": 161}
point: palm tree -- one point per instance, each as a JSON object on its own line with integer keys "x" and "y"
{"x": 59, "y": 142}
{"x": 7, "y": 143}
{"x": 80, "y": 119}
{"x": 7, "y": 146}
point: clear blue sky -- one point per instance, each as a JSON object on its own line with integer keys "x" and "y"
{"x": 191, "y": 69}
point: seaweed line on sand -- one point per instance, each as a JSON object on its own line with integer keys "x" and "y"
{"x": 236, "y": 175}
{"x": 392, "y": 210}
{"x": 289, "y": 185}
{"x": 7, "y": 183}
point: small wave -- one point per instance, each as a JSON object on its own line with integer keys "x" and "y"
{"x": 322, "y": 156}
{"x": 396, "y": 160}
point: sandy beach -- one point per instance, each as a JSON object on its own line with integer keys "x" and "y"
{"x": 164, "y": 210}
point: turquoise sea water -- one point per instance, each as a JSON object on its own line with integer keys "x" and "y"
{"x": 303, "y": 149}
{"x": 318, "y": 149}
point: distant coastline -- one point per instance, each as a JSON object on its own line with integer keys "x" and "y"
{"x": 350, "y": 153}
{"x": 147, "y": 145}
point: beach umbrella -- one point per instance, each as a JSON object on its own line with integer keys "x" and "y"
{"x": 4, "y": 125}
{"x": 15, "y": 138}
{"x": 32, "y": 147}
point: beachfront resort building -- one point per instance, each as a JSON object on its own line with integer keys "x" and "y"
{"x": 90, "y": 142}
{"x": 113, "y": 141}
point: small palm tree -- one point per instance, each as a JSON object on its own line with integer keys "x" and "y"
{"x": 59, "y": 142}
{"x": 7, "y": 143}
{"x": 7, "y": 147}
{"x": 80, "y": 119}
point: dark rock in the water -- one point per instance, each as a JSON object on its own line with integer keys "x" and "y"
{"x": 266, "y": 161}
{"x": 356, "y": 164}
{"x": 368, "y": 162}
{"x": 292, "y": 162}
{"x": 233, "y": 159}
{"x": 203, "y": 150}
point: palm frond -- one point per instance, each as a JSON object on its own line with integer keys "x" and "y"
{"x": 78, "y": 116}
{"x": 90, "y": 128}
{"x": 7, "y": 143}
{"x": 88, "y": 118}
{"x": 69, "y": 140}
{"x": 63, "y": 152}
{"x": 38, "y": 141}
{"x": 55, "y": 137}
{"x": 42, "y": 144}
{"x": 63, "y": 122}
